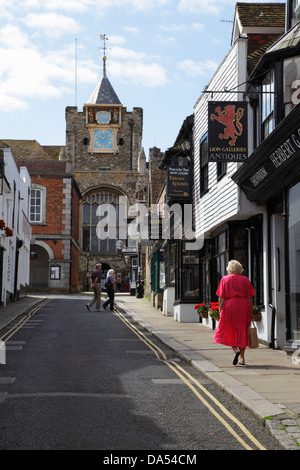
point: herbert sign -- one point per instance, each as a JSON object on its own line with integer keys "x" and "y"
{"x": 227, "y": 131}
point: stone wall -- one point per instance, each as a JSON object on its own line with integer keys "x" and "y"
{"x": 92, "y": 170}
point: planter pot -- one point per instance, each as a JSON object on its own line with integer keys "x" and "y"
{"x": 204, "y": 314}
{"x": 257, "y": 316}
{"x": 216, "y": 317}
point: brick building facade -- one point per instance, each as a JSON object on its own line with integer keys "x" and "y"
{"x": 54, "y": 205}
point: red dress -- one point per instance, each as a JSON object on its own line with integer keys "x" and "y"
{"x": 235, "y": 316}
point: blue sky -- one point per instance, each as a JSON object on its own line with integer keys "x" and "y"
{"x": 160, "y": 56}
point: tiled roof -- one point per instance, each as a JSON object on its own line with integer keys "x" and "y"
{"x": 3, "y": 145}
{"x": 104, "y": 93}
{"x": 45, "y": 167}
{"x": 253, "y": 58}
{"x": 261, "y": 14}
{"x": 32, "y": 150}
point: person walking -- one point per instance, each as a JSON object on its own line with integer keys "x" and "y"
{"x": 235, "y": 293}
{"x": 95, "y": 282}
{"x": 110, "y": 289}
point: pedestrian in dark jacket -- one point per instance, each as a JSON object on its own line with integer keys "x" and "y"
{"x": 110, "y": 289}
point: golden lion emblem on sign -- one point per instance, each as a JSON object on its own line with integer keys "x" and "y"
{"x": 231, "y": 120}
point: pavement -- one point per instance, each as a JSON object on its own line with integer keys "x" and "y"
{"x": 268, "y": 385}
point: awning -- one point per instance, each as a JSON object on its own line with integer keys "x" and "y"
{"x": 275, "y": 164}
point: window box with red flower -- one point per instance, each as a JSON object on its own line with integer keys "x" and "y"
{"x": 8, "y": 232}
{"x": 2, "y": 225}
{"x": 201, "y": 310}
{"x": 214, "y": 311}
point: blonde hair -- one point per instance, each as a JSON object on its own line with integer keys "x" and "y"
{"x": 234, "y": 267}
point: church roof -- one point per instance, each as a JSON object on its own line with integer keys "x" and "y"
{"x": 104, "y": 92}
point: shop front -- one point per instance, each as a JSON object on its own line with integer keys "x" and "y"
{"x": 271, "y": 178}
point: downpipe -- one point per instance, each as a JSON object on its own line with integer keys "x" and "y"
{"x": 272, "y": 342}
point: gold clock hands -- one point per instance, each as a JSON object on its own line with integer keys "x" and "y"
{"x": 106, "y": 132}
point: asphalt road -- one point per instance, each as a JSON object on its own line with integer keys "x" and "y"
{"x": 79, "y": 380}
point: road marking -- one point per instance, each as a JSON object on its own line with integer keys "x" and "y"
{"x": 180, "y": 372}
{"x": 7, "y": 380}
{"x": 22, "y": 322}
{"x": 66, "y": 395}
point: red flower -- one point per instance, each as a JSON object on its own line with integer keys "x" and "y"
{"x": 8, "y": 232}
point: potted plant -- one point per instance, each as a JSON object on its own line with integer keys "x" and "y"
{"x": 8, "y": 232}
{"x": 256, "y": 312}
{"x": 201, "y": 310}
{"x": 214, "y": 311}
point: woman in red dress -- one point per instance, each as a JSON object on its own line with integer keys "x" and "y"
{"x": 235, "y": 294}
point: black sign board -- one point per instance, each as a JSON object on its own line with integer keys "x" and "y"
{"x": 227, "y": 131}
{"x": 179, "y": 182}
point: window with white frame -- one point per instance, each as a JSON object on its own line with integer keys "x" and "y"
{"x": 37, "y": 204}
{"x": 267, "y": 107}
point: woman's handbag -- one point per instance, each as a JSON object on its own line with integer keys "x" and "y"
{"x": 253, "y": 337}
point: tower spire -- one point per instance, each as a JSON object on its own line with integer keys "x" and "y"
{"x": 104, "y": 39}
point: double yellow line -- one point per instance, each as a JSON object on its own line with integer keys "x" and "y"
{"x": 22, "y": 322}
{"x": 194, "y": 385}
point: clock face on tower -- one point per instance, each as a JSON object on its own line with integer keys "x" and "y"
{"x": 103, "y": 139}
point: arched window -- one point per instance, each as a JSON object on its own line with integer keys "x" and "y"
{"x": 100, "y": 205}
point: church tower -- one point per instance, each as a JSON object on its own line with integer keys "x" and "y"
{"x": 105, "y": 155}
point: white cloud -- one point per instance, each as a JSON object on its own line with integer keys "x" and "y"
{"x": 12, "y": 37}
{"x": 115, "y": 40}
{"x": 11, "y": 104}
{"x": 122, "y": 53}
{"x": 204, "y": 6}
{"x": 28, "y": 73}
{"x": 164, "y": 40}
{"x": 131, "y": 29}
{"x": 52, "y": 24}
{"x": 141, "y": 74}
{"x": 197, "y": 68}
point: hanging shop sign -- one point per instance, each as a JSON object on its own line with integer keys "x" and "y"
{"x": 227, "y": 131}
{"x": 179, "y": 182}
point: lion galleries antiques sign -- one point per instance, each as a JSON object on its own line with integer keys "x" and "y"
{"x": 227, "y": 131}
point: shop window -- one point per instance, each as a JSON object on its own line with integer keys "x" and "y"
{"x": 204, "y": 164}
{"x": 205, "y": 273}
{"x": 240, "y": 247}
{"x": 187, "y": 274}
{"x": 268, "y": 119}
{"x": 221, "y": 257}
{"x": 221, "y": 169}
{"x": 158, "y": 271}
{"x": 170, "y": 252}
{"x": 294, "y": 261}
{"x": 257, "y": 263}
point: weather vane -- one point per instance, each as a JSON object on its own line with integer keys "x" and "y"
{"x": 104, "y": 38}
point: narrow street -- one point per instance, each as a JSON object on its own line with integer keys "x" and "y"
{"x": 83, "y": 380}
